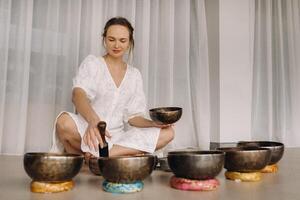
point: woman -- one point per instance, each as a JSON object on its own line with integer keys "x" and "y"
{"x": 107, "y": 89}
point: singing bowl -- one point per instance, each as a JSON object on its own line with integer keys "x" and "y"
{"x": 52, "y": 167}
{"x": 200, "y": 165}
{"x": 245, "y": 159}
{"x": 127, "y": 169}
{"x": 277, "y": 148}
{"x": 165, "y": 115}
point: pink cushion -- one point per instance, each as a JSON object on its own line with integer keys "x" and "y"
{"x": 194, "y": 185}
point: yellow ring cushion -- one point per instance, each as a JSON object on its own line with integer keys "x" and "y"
{"x": 44, "y": 187}
{"x": 239, "y": 176}
{"x": 270, "y": 169}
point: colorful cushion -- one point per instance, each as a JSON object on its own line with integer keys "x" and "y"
{"x": 44, "y": 187}
{"x": 123, "y": 187}
{"x": 193, "y": 185}
{"x": 243, "y": 176}
{"x": 270, "y": 169}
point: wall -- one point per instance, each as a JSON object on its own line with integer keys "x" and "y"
{"x": 212, "y": 20}
{"x": 229, "y": 27}
{"x": 235, "y": 70}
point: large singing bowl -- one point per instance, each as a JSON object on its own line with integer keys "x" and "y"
{"x": 126, "y": 169}
{"x": 52, "y": 167}
{"x": 276, "y": 148}
{"x": 199, "y": 165}
{"x": 165, "y": 115}
{"x": 245, "y": 159}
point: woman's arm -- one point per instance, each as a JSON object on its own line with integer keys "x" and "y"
{"x": 142, "y": 122}
{"x": 82, "y": 105}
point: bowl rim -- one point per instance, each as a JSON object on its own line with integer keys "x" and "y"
{"x": 174, "y": 109}
{"x": 126, "y": 157}
{"x": 53, "y": 155}
{"x": 262, "y": 142}
{"x": 195, "y": 152}
{"x": 242, "y": 149}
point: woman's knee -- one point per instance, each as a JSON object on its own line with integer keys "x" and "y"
{"x": 64, "y": 125}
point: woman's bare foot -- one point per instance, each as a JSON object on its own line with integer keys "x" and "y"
{"x": 87, "y": 157}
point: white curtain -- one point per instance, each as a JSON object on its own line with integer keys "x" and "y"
{"x": 43, "y": 42}
{"x": 276, "y": 75}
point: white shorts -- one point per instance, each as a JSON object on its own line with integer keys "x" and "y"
{"x": 142, "y": 139}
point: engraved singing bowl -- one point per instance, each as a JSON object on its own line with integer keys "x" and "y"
{"x": 246, "y": 159}
{"x": 277, "y": 148}
{"x": 127, "y": 169}
{"x": 199, "y": 165}
{"x": 165, "y": 115}
{"x": 52, "y": 167}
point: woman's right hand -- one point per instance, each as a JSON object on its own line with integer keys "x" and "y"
{"x": 92, "y": 136}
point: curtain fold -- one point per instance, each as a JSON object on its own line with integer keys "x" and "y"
{"x": 276, "y": 71}
{"x": 16, "y": 90}
{"x": 199, "y": 76}
{"x": 5, "y": 17}
{"x": 44, "y": 41}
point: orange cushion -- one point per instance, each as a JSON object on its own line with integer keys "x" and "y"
{"x": 270, "y": 169}
{"x": 243, "y": 176}
{"x": 44, "y": 187}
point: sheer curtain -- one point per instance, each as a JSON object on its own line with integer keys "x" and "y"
{"x": 276, "y": 82}
{"x": 43, "y": 42}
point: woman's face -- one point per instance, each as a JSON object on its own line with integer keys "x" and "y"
{"x": 117, "y": 40}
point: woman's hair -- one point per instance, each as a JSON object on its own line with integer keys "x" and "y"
{"x": 123, "y": 22}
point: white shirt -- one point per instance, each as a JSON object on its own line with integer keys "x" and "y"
{"x": 114, "y": 105}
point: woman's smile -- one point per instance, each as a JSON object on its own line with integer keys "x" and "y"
{"x": 116, "y": 51}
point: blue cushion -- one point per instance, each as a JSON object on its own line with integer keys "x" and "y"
{"x": 123, "y": 187}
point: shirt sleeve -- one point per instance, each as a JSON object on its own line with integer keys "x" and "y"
{"x": 86, "y": 77}
{"x": 137, "y": 103}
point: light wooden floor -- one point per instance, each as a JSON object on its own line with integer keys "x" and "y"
{"x": 285, "y": 184}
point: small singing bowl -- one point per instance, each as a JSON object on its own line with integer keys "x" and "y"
{"x": 165, "y": 115}
{"x": 126, "y": 169}
{"x": 246, "y": 159}
{"x": 52, "y": 167}
{"x": 198, "y": 165}
{"x": 277, "y": 148}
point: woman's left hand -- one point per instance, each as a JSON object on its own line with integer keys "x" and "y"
{"x": 142, "y": 122}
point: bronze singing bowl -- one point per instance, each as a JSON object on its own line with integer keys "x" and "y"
{"x": 200, "y": 165}
{"x": 94, "y": 167}
{"x": 277, "y": 148}
{"x": 126, "y": 169}
{"x": 52, "y": 167}
{"x": 165, "y": 115}
{"x": 245, "y": 159}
